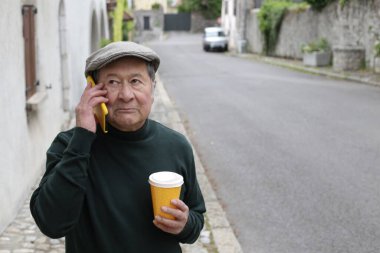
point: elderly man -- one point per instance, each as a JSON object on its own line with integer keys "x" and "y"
{"x": 95, "y": 190}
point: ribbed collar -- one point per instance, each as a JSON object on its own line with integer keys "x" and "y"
{"x": 146, "y": 131}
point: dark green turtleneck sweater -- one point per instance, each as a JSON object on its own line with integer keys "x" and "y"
{"x": 95, "y": 191}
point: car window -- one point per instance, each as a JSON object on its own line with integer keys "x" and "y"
{"x": 215, "y": 34}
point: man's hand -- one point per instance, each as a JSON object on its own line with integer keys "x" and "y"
{"x": 91, "y": 97}
{"x": 181, "y": 215}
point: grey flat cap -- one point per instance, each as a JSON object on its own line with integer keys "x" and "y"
{"x": 116, "y": 50}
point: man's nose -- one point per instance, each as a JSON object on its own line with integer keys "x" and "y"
{"x": 126, "y": 91}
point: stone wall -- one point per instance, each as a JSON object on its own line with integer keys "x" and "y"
{"x": 198, "y": 22}
{"x": 357, "y": 24}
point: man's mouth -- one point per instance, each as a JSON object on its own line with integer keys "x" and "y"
{"x": 126, "y": 110}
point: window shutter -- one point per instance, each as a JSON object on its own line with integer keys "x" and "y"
{"x": 28, "y": 12}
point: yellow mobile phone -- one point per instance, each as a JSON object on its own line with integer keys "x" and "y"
{"x": 101, "y": 110}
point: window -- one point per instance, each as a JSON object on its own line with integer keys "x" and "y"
{"x": 146, "y": 23}
{"x": 28, "y": 13}
{"x": 215, "y": 34}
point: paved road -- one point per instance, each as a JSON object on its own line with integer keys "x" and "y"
{"x": 295, "y": 158}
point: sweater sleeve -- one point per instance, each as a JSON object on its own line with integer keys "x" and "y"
{"x": 56, "y": 204}
{"x": 194, "y": 200}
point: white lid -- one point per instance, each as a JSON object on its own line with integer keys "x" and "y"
{"x": 166, "y": 179}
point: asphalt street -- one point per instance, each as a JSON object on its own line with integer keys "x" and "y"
{"x": 293, "y": 157}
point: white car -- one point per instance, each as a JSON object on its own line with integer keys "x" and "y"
{"x": 214, "y": 38}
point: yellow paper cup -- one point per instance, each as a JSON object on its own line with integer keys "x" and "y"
{"x": 164, "y": 187}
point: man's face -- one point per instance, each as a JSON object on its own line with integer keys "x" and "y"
{"x": 130, "y": 92}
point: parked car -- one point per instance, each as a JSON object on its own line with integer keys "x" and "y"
{"x": 214, "y": 38}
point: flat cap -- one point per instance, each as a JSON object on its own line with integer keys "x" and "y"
{"x": 116, "y": 50}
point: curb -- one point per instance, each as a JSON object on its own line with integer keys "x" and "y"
{"x": 361, "y": 76}
{"x": 223, "y": 236}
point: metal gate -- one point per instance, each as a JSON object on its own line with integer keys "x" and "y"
{"x": 177, "y": 22}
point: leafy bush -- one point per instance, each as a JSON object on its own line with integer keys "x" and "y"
{"x": 128, "y": 28}
{"x": 156, "y": 6}
{"x": 184, "y": 7}
{"x": 209, "y": 9}
{"x": 104, "y": 42}
{"x": 320, "y": 45}
{"x": 319, "y": 4}
{"x": 270, "y": 19}
{"x": 342, "y": 3}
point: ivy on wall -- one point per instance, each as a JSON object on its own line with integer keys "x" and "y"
{"x": 270, "y": 18}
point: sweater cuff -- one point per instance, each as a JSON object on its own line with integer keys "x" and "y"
{"x": 81, "y": 141}
{"x": 185, "y": 231}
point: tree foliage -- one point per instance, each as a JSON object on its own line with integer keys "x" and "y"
{"x": 156, "y": 6}
{"x": 319, "y": 4}
{"x": 210, "y": 9}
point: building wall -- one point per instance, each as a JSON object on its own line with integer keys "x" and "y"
{"x": 156, "y": 25}
{"x": 357, "y": 24}
{"x": 254, "y": 37}
{"x": 229, "y": 21}
{"x": 25, "y": 135}
{"x": 147, "y": 4}
{"x": 235, "y": 20}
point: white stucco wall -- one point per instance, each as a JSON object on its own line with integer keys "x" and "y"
{"x": 13, "y": 137}
{"x": 229, "y": 22}
{"x": 25, "y": 137}
{"x": 79, "y": 17}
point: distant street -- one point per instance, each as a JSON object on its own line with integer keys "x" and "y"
{"x": 294, "y": 158}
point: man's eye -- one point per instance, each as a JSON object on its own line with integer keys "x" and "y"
{"x": 135, "y": 81}
{"x": 113, "y": 82}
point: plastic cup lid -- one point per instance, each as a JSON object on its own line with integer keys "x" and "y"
{"x": 166, "y": 179}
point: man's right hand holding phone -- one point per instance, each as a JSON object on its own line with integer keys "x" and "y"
{"x": 91, "y": 97}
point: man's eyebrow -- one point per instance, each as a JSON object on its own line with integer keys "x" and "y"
{"x": 136, "y": 75}
{"x": 111, "y": 74}
{"x": 129, "y": 76}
